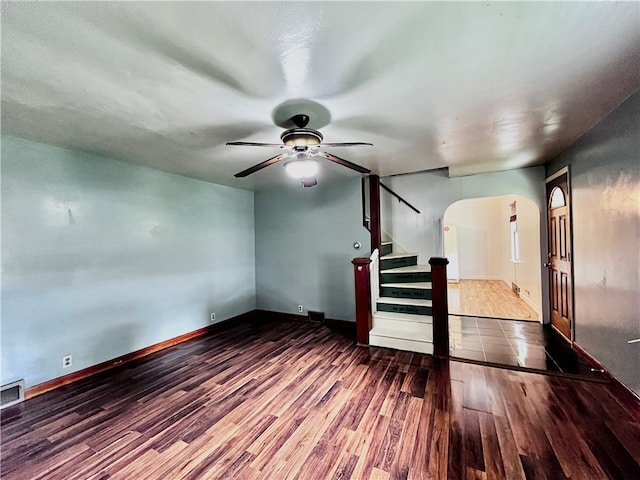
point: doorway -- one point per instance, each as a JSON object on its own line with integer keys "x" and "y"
{"x": 559, "y": 264}
{"x": 493, "y": 247}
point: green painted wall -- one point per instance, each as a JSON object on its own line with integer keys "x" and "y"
{"x": 605, "y": 183}
{"x": 304, "y": 247}
{"x": 101, "y": 258}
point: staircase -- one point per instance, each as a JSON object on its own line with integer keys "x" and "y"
{"x": 402, "y": 315}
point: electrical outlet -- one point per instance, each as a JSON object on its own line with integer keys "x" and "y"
{"x": 300, "y": 309}
{"x": 213, "y": 317}
{"x": 67, "y": 361}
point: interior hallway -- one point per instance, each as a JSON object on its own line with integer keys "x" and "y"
{"x": 488, "y": 298}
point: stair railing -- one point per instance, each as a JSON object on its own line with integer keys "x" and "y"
{"x": 400, "y": 199}
{"x": 374, "y": 279}
{"x": 366, "y": 277}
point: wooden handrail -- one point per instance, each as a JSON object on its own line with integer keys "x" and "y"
{"x": 402, "y": 200}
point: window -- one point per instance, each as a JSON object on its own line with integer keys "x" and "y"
{"x": 513, "y": 224}
{"x": 557, "y": 198}
{"x": 515, "y": 244}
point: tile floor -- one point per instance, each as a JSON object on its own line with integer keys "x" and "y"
{"x": 524, "y": 344}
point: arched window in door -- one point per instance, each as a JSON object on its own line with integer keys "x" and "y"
{"x": 557, "y": 198}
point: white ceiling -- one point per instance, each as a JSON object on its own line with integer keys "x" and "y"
{"x": 470, "y": 86}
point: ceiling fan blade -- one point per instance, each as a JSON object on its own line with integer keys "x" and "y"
{"x": 344, "y": 144}
{"x": 255, "y": 144}
{"x": 309, "y": 182}
{"x": 261, "y": 165}
{"x": 344, "y": 163}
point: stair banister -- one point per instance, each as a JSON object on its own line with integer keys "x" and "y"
{"x": 400, "y": 199}
{"x": 374, "y": 212}
{"x": 374, "y": 276}
{"x": 440, "y": 306}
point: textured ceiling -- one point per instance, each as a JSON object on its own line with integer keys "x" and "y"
{"x": 470, "y": 86}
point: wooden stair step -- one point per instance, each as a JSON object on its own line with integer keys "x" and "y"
{"x": 405, "y": 317}
{"x": 408, "y": 269}
{"x": 398, "y": 255}
{"x": 404, "y": 305}
{"x": 406, "y": 290}
{"x": 405, "y": 344}
{"x": 422, "y": 285}
{"x": 405, "y": 301}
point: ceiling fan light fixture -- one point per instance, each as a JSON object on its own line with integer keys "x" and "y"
{"x": 299, "y": 137}
{"x": 301, "y": 168}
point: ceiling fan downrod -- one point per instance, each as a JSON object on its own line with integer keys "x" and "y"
{"x": 300, "y": 120}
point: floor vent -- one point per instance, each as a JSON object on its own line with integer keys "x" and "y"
{"x": 11, "y": 393}
{"x": 317, "y": 318}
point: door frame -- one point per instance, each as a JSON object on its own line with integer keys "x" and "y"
{"x": 562, "y": 171}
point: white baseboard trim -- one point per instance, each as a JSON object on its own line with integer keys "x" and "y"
{"x": 536, "y": 308}
{"x": 482, "y": 277}
{"x": 527, "y": 300}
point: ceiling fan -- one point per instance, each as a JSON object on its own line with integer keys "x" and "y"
{"x": 303, "y": 145}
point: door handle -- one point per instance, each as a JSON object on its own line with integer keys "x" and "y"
{"x": 546, "y": 265}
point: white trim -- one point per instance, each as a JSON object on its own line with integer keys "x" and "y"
{"x": 559, "y": 173}
{"x": 374, "y": 279}
{"x": 528, "y": 301}
{"x": 533, "y": 306}
{"x": 398, "y": 255}
{"x": 482, "y": 277}
{"x": 415, "y": 285}
{"x": 396, "y": 246}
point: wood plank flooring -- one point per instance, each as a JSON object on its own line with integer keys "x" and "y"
{"x": 488, "y": 298}
{"x": 278, "y": 400}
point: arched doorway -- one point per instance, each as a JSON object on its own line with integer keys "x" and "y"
{"x": 493, "y": 245}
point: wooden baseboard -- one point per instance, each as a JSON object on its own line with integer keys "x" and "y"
{"x": 341, "y": 324}
{"x": 625, "y": 396}
{"x": 129, "y": 357}
{"x": 216, "y": 327}
{"x": 293, "y": 317}
{"x": 281, "y": 316}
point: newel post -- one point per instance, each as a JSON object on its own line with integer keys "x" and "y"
{"x": 440, "y": 306}
{"x": 363, "y": 299}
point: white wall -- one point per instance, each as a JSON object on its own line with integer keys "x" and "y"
{"x": 101, "y": 258}
{"x": 484, "y": 243}
{"x": 527, "y": 273}
{"x": 481, "y": 246}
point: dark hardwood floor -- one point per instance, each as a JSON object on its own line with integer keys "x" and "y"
{"x": 283, "y": 400}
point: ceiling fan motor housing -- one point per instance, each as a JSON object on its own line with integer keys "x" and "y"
{"x": 301, "y": 137}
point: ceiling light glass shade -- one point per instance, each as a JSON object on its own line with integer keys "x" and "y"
{"x": 301, "y": 168}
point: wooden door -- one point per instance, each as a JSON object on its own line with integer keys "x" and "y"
{"x": 560, "y": 255}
